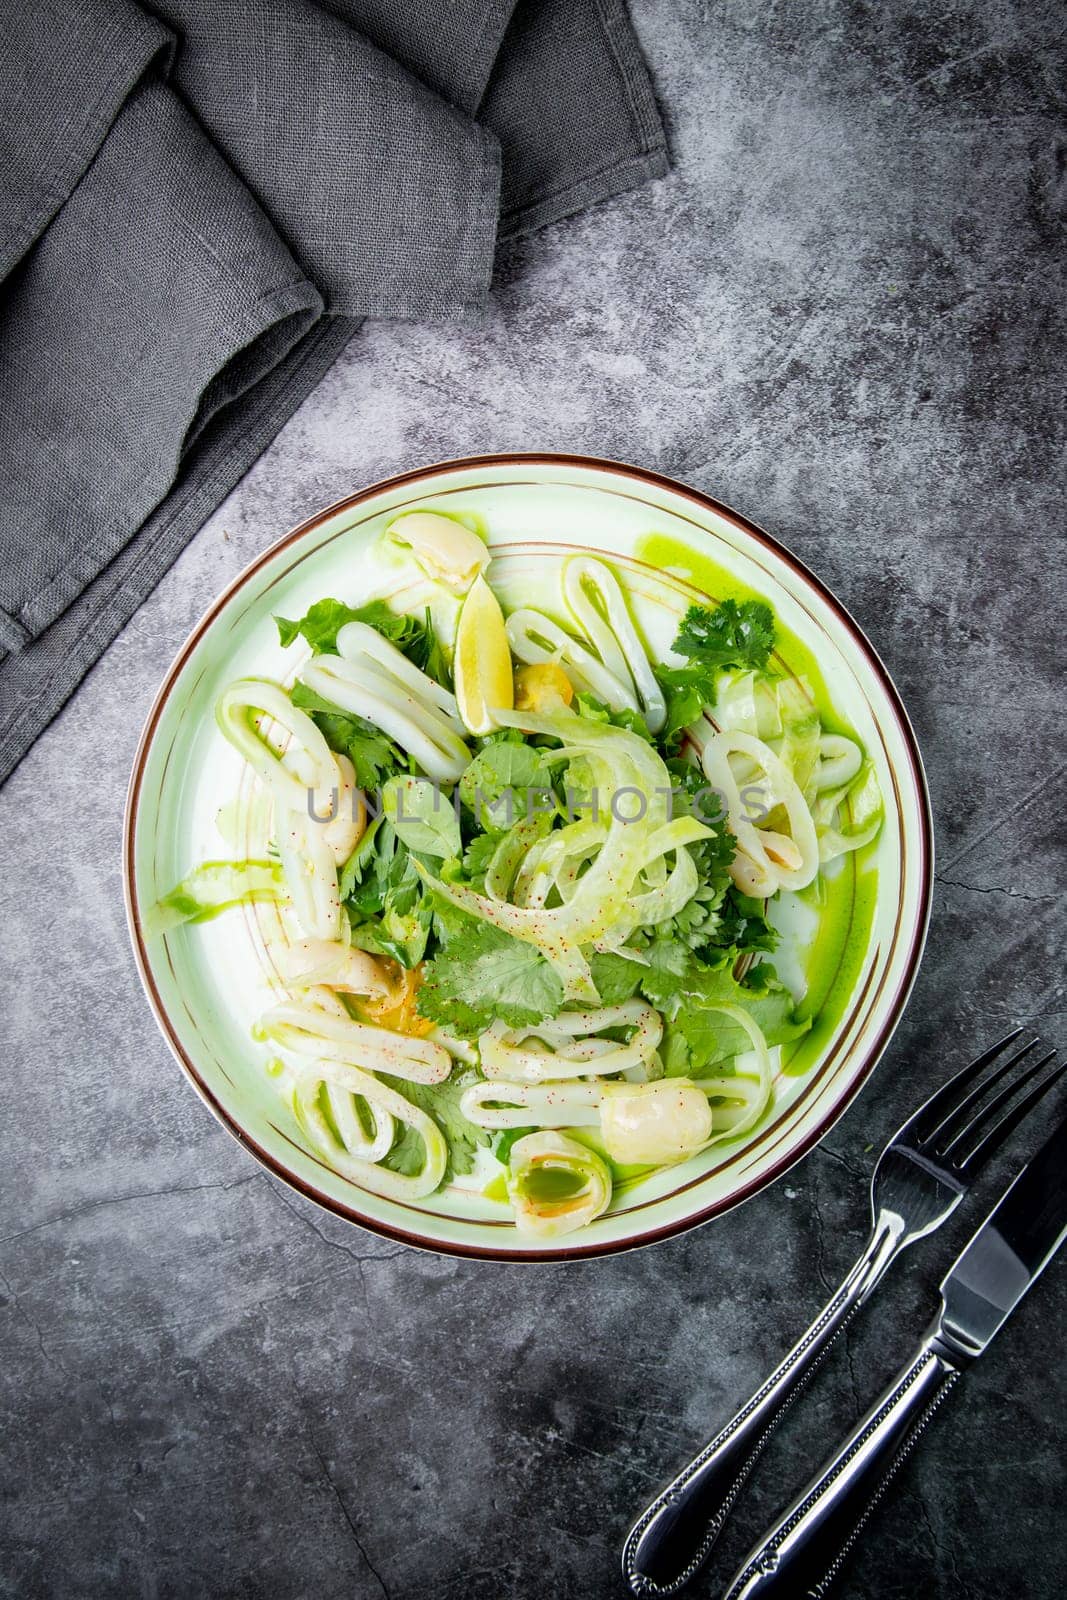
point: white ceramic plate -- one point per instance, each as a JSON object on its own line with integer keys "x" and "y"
{"x": 207, "y": 983}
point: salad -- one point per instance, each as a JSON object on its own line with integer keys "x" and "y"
{"x": 527, "y": 876}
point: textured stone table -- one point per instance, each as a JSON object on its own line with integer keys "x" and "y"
{"x": 840, "y": 315}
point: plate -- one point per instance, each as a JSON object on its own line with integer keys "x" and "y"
{"x": 191, "y": 798}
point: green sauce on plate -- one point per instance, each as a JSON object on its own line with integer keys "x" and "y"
{"x": 845, "y": 901}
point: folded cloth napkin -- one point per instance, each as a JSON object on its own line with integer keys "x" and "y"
{"x": 201, "y": 201}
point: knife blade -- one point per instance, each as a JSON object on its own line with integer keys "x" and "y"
{"x": 1008, "y": 1253}
{"x": 804, "y": 1551}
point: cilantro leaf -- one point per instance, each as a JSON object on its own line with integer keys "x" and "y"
{"x": 701, "y": 1036}
{"x": 477, "y": 856}
{"x": 731, "y": 635}
{"x": 482, "y": 974}
{"x": 384, "y": 896}
{"x": 616, "y": 977}
{"x": 441, "y": 1102}
{"x": 743, "y": 923}
{"x": 687, "y": 691}
{"x": 669, "y": 960}
{"x": 373, "y": 755}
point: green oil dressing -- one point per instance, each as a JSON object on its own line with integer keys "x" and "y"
{"x": 676, "y": 559}
{"x": 833, "y": 962}
{"x": 843, "y": 901}
{"x": 551, "y": 1185}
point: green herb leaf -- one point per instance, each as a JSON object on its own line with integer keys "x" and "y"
{"x": 441, "y": 1102}
{"x": 506, "y": 781}
{"x": 709, "y": 1036}
{"x": 428, "y": 653}
{"x": 483, "y": 974}
{"x": 372, "y": 754}
{"x": 687, "y": 691}
{"x": 505, "y": 1139}
{"x": 731, "y": 635}
{"x": 616, "y": 978}
{"x": 422, "y": 816}
{"x": 323, "y": 621}
{"x": 477, "y": 856}
{"x": 596, "y": 711}
{"x": 387, "y": 905}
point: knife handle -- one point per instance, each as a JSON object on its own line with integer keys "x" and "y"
{"x": 674, "y": 1534}
{"x": 804, "y": 1552}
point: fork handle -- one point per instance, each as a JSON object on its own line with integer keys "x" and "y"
{"x": 804, "y": 1552}
{"x": 673, "y": 1536}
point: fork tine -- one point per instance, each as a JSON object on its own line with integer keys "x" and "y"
{"x": 992, "y": 1140}
{"x": 941, "y": 1104}
{"x": 959, "y": 1118}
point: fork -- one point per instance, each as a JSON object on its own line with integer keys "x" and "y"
{"x": 921, "y": 1177}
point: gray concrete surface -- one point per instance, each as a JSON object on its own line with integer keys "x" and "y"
{"x": 842, "y": 315}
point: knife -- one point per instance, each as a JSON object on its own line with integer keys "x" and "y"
{"x": 803, "y": 1553}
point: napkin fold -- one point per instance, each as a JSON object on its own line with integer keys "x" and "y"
{"x": 202, "y": 200}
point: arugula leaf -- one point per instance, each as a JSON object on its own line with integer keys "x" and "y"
{"x": 423, "y": 818}
{"x": 441, "y": 1102}
{"x": 482, "y": 974}
{"x": 731, "y": 635}
{"x": 323, "y": 621}
{"x": 372, "y": 754}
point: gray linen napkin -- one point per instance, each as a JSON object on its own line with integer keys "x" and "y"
{"x": 202, "y": 198}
